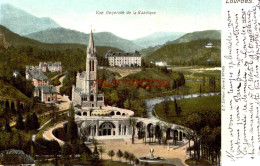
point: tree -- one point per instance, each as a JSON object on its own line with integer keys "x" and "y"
{"x": 72, "y": 133}
{"x": 84, "y": 158}
{"x": 137, "y": 161}
{"x": 54, "y": 149}
{"x": 7, "y": 127}
{"x": 189, "y": 136}
{"x": 95, "y": 155}
{"x": 19, "y": 123}
{"x": 166, "y": 108}
{"x": 95, "y": 142}
{"x": 194, "y": 122}
{"x": 204, "y": 82}
{"x": 84, "y": 149}
{"x": 179, "y": 111}
{"x": 126, "y": 155}
{"x": 132, "y": 122}
{"x": 143, "y": 64}
{"x": 176, "y": 107}
{"x": 66, "y": 152}
{"x": 101, "y": 151}
{"x": 131, "y": 157}
{"x": 119, "y": 154}
{"x": 75, "y": 148}
{"x": 35, "y": 122}
{"x": 111, "y": 154}
{"x": 28, "y": 122}
{"x": 158, "y": 134}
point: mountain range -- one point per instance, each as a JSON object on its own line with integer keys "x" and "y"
{"x": 158, "y": 38}
{"x": 198, "y": 35}
{"x": 21, "y": 22}
{"x": 62, "y": 35}
{"x": 47, "y": 30}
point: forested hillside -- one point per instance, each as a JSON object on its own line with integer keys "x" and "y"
{"x": 26, "y": 51}
{"x": 190, "y": 53}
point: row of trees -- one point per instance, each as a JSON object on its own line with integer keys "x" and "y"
{"x": 31, "y": 123}
{"x": 205, "y": 131}
{"x": 126, "y": 155}
{"x": 212, "y": 84}
{"x": 154, "y": 133}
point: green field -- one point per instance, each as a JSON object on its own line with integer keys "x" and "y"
{"x": 188, "y": 106}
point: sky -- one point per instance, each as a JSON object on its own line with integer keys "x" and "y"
{"x": 171, "y": 15}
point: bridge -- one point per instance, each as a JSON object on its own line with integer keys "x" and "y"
{"x": 12, "y": 103}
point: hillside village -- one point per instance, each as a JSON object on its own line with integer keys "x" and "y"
{"x": 49, "y": 108}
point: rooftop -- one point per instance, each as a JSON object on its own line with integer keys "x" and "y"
{"x": 37, "y": 74}
{"x": 47, "y": 89}
{"x": 122, "y": 54}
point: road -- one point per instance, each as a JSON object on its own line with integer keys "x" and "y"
{"x": 64, "y": 104}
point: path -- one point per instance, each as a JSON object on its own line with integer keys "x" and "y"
{"x": 47, "y": 134}
{"x": 63, "y": 105}
{"x": 64, "y": 101}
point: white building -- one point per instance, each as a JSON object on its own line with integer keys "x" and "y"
{"x": 122, "y": 59}
{"x": 209, "y": 45}
{"x": 50, "y": 66}
{"x": 16, "y": 73}
{"x": 160, "y": 63}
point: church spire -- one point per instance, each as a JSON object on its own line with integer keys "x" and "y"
{"x": 91, "y": 47}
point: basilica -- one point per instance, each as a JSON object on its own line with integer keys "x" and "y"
{"x": 93, "y": 117}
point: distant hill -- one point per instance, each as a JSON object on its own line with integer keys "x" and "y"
{"x": 148, "y": 51}
{"x": 158, "y": 38}
{"x": 25, "y": 51}
{"x": 16, "y": 40}
{"x": 21, "y": 22}
{"x": 62, "y": 35}
{"x": 189, "y": 53}
{"x": 20, "y": 41}
{"x": 208, "y": 34}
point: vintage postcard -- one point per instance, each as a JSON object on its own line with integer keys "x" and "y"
{"x": 129, "y": 82}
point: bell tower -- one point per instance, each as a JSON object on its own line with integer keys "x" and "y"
{"x": 91, "y": 70}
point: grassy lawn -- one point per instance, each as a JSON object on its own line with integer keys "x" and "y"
{"x": 188, "y": 106}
